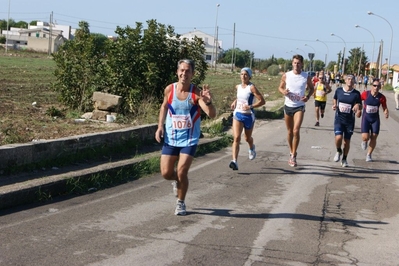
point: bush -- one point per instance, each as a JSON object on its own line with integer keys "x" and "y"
{"x": 388, "y": 87}
{"x": 273, "y": 70}
{"x": 137, "y": 65}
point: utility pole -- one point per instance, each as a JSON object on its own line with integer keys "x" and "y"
{"x": 215, "y": 37}
{"x": 234, "y": 42}
{"x": 8, "y": 21}
{"x": 50, "y": 37}
{"x": 217, "y": 47}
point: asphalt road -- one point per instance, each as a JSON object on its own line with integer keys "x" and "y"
{"x": 266, "y": 213}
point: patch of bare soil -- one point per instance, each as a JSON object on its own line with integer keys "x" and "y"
{"x": 28, "y": 102}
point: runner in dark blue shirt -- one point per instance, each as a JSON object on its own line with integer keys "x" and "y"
{"x": 372, "y": 100}
{"x": 346, "y": 103}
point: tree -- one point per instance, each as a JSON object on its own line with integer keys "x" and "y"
{"x": 330, "y": 66}
{"x": 21, "y": 24}
{"x": 318, "y": 65}
{"x": 3, "y": 24}
{"x": 357, "y": 61}
{"x": 137, "y": 65}
{"x": 241, "y": 58}
{"x": 79, "y": 69}
{"x": 273, "y": 70}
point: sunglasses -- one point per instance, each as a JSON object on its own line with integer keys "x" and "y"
{"x": 376, "y": 85}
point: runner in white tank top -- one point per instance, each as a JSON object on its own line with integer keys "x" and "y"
{"x": 243, "y": 116}
{"x": 293, "y": 86}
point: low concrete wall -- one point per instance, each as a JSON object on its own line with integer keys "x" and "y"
{"x": 15, "y": 155}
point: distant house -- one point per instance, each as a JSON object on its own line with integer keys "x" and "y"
{"x": 211, "y": 51}
{"x": 42, "y": 38}
{"x": 395, "y": 77}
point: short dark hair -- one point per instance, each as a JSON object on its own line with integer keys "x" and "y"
{"x": 190, "y": 62}
{"x": 299, "y": 57}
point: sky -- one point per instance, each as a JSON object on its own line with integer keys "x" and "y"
{"x": 266, "y": 28}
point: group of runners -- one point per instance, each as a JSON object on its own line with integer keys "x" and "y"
{"x": 179, "y": 117}
{"x": 361, "y": 81}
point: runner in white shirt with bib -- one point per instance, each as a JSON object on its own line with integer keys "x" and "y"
{"x": 243, "y": 115}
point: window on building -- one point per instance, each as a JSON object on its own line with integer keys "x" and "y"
{"x": 208, "y": 57}
{"x": 44, "y": 35}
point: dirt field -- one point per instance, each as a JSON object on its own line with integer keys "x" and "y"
{"x": 27, "y": 102}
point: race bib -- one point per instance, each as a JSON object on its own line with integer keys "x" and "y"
{"x": 371, "y": 109}
{"x": 344, "y": 107}
{"x": 294, "y": 97}
{"x": 181, "y": 122}
{"x": 241, "y": 104}
{"x": 320, "y": 93}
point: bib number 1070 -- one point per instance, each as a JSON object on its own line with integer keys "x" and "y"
{"x": 181, "y": 122}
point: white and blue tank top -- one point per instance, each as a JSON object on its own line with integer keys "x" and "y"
{"x": 183, "y": 120}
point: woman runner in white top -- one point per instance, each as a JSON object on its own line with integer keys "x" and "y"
{"x": 243, "y": 116}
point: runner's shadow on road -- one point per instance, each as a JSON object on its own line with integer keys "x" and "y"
{"x": 297, "y": 216}
{"x": 359, "y": 172}
{"x": 319, "y": 128}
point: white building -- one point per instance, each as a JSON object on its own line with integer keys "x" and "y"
{"x": 395, "y": 76}
{"x": 43, "y": 37}
{"x": 211, "y": 51}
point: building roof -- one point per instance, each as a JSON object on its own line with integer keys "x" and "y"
{"x": 53, "y": 31}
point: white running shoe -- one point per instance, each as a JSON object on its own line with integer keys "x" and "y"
{"x": 180, "y": 208}
{"x": 364, "y": 145}
{"x": 368, "y": 158}
{"x": 174, "y": 185}
{"x": 337, "y": 156}
{"x": 252, "y": 153}
{"x": 344, "y": 163}
{"x": 292, "y": 161}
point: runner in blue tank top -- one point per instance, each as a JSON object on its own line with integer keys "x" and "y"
{"x": 181, "y": 111}
{"x": 372, "y": 100}
{"x": 346, "y": 104}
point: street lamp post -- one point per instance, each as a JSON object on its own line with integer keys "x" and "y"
{"x": 8, "y": 21}
{"x": 372, "y": 57}
{"x": 343, "y": 54}
{"x": 325, "y": 59}
{"x": 214, "y": 54}
{"x": 390, "y": 48}
{"x": 310, "y": 47}
{"x": 301, "y": 50}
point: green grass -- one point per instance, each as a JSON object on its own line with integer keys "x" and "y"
{"x": 222, "y": 86}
